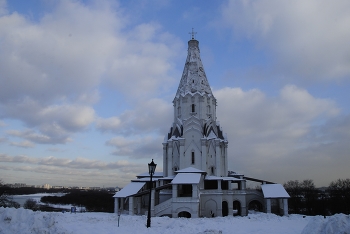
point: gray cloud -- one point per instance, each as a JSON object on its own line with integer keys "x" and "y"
{"x": 142, "y": 147}
{"x": 72, "y": 172}
{"x": 286, "y": 135}
{"x": 52, "y": 69}
{"x": 148, "y": 116}
{"x": 23, "y": 144}
{"x": 306, "y": 38}
{"x": 78, "y": 163}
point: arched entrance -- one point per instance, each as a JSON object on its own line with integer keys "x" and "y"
{"x": 236, "y": 208}
{"x": 255, "y": 205}
{"x": 224, "y": 208}
{"x": 184, "y": 214}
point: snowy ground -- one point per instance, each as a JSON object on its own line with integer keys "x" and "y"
{"x": 26, "y": 221}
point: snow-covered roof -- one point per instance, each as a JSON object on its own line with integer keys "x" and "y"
{"x": 130, "y": 189}
{"x": 190, "y": 170}
{"x": 167, "y": 178}
{"x": 146, "y": 179}
{"x": 222, "y": 178}
{"x": 274, "y": 191}
{"x": 211, "y": 135}
{"x": 186, "y": 178}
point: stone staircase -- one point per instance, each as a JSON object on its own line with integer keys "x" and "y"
{"x": 163, "y": 208}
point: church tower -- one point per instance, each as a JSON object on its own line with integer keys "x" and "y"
{"x": 195, "y": 138}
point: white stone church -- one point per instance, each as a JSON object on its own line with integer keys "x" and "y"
{"x": 195, "y": 181}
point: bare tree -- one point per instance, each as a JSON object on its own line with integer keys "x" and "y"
{"x": 339, "y": 192}
{"x": 5, "y": 199}
{"x": 30, "y": 204}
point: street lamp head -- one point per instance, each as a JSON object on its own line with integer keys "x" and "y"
{"x": 152, "y": 167}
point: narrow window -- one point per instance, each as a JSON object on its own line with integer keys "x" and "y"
{"x": 212, "y": 170}
{"x": 179, "y": 111}
{"x": 192, "y": 157}
{"x": 193, "y": 108}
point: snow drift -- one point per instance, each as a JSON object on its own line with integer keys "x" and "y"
{"x": 26, "y": 221}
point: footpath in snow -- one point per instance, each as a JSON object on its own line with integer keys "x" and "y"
{"x": 26, "y": 221}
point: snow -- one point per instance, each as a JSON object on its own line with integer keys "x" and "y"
{"x": 274, "y": 191}
{"x": 336, "y": 224}
{"x": 186, "y": 178}
{"x": 222, "y": 178}
{"x": 26, "y": 221}
{"x": 190, "y": 170}
{"x": 130, "y": 189}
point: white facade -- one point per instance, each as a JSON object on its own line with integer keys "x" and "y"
{"x": 195, "y": 181}
{"x": 195, "y": 138}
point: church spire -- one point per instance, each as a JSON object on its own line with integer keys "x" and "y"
{"x": 193, "y": 77}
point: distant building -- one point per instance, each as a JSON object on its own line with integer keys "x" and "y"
{"x": 195, "y": 181}
{"x": 47, "y": 186}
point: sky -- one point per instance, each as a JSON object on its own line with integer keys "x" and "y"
{"x": 86, "y": 87}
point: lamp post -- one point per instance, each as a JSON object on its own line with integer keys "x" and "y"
{"x": 151, "y": 168}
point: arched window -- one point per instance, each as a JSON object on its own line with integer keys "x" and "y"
{"x": 212, "y": 170}
{"x": 179, "y": 111}
{"x": 192, "y": 159}
{"x": 193, "y": 107}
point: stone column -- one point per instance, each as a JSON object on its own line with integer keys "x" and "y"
{"x": 219, "y": 185}
{"x": 165, "y": 160}
{"x": 116, "y": 204}
{"x": 268, "y": 205}
{"x": 122, "y": 203}
{"x": 243, "y": 202}
{"x": 230, "y": 207}
{"x": 182, "y": 161}
{"x": 204, "y": 155}
{"x": 194, "y": 190}
{"x": 219, "y": 209}
{"x": 174, "y": 190}
{"x": 225, "y": 158}
{"x": 170, "y": 158}
{"x": 285, "y": 206}
{"x": 131, "y": 205}
{"x": 217, "y": 158}
{"x": 243, "y": 184}
{"x": 139, "y": 205}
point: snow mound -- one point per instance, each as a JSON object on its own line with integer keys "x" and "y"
{"x": 336, "y": 224}
{"x": 29, "y": 222}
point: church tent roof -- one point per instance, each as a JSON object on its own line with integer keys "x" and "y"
{"x": 130, "y": 189}
{"x": 274, "y": 191}
{"x": 186, "y": 178}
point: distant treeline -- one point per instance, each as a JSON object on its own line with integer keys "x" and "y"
{"x": 308, "y": 200}
{"x": 93, "y": 201}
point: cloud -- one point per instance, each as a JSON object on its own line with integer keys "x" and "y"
{"x": 306, "y": 38}
{"x": 141, "y": 147}
{"x": 53, "y": 68}
{"x": 23, "y": 144}
{"x": 149, "y": 116}
{"x": 3, "y": 139}
{"x": 72, "y": 171}
{"x": 268, "y": 134}
{"x": 78, "y": 163}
